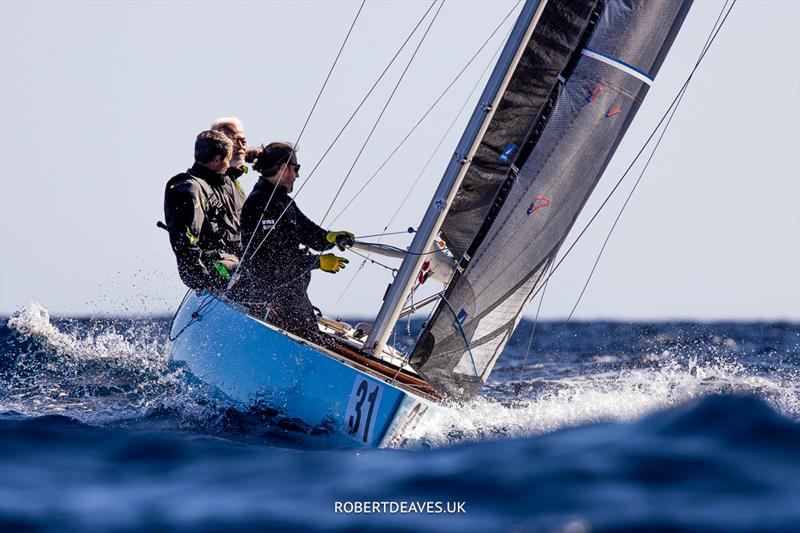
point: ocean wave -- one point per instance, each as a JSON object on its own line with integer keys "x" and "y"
{"x": 118, "y": 371}
{"x": 625, "y": 395}
{"x": 716, "y": 464}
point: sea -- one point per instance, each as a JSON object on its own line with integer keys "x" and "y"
{"x": 584, "y": 427}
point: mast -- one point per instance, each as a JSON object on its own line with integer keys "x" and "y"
{"x": 431, "y": 223}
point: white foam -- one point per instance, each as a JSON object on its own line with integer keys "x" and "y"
{"x": 623, "y": 396}
{"x": 134, "y": 361}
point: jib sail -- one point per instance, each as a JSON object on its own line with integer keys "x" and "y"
{"x": 572, "y": 96}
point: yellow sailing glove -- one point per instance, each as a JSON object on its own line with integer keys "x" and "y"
{"x": 331, "y": 263}
{"x": 340, "y": 238}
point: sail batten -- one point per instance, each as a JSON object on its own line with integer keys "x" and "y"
{"x": 525, "y": 191}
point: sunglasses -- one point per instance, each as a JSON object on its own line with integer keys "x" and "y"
{"x": 295, "y": 166}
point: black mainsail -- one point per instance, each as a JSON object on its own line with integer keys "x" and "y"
{"x": 581, "y": 78}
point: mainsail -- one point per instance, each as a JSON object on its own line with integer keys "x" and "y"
{"x": 581, "y": 79}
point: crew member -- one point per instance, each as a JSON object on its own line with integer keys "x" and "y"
{"x": 277, "y": 269}
{"x": 205, "y": 240}
{"x": 233, "y": 128}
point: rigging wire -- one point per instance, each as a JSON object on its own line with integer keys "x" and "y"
{"x": 668, "y": 116}
{"x": 671, "y": 112}
{"x": 338, "y": 135}
{"x": 406, "y": 232}
{"x": 449, "y": 128}
{"x": 328, "y": 77}
{"x": 367, "y": 258}
{"x": 622, "y": 209}
{"x": 366, "y": 96}
{"x": 518, "y": 386}
{"x": 380, "y": 116}
{"x": 390, "y": 248}
{"x": 435, "y": 150}
{"x": 429, "y": 110}
{"x": 294, "y": 146}
{"x": 642, "y": 149}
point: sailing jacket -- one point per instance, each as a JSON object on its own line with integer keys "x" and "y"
{"x": 202, "y": 227}
{"x": 282, "y": 261}
{"x": 234, "y": 190}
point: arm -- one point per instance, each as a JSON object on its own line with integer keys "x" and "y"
{"x": 270, "y": 242}
{"x": 315, "y": 237}
{"x": 185, "y": 223}
{"x": 310, "y": 234}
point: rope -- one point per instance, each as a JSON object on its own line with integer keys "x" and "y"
{"x": 196, "y": 315}
{"x": 294, "y": 146}
{"x": 460, "y": 327}
{"x": 380, "y": 116}
{"x": 368, "y": 257}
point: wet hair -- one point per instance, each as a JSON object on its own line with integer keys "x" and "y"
{"x": 210, "y": 144}
{"x": 268, "y": 158}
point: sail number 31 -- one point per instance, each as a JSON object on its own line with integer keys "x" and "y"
{"x": 362, "y": 410}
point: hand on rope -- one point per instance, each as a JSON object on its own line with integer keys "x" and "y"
{"x": 341, "y": 239}
{"x": 332, "y": 263}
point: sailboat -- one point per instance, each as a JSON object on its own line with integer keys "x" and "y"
{"x": 563, "y": 92}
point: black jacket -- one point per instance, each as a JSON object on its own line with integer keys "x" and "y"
{"x": 282, "y": 260}
{"x": 202, "y": 225}
{"x": 234, "y": 190}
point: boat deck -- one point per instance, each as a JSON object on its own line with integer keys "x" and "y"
{"x": 392, "y": 364}
{"x": 347, "y": 343}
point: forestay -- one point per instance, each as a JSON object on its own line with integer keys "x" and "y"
{"x": 582, "y": 77}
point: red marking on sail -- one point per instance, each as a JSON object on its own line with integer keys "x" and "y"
{"x": 594, "y": 95}
{"x": 542, "y": 202}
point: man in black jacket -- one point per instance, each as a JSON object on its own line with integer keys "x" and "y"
{"x": 202, "y": 231}
{"x": 233, "y": 129}
{"x": 277, "y": 266}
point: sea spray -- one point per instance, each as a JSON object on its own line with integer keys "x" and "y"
{"x": 118, "y": 371}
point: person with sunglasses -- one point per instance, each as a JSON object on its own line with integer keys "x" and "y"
{"x": 276, "y": 267}
{"x": 234, "y": 194}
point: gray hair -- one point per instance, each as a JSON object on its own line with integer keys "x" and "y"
{"x": 223, "y": 123}
{"x": 209, "y": 144}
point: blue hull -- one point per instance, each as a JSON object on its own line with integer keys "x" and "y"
{"x": 256, "y": 364}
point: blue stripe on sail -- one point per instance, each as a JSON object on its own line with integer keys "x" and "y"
{"x": 622, "y": 63}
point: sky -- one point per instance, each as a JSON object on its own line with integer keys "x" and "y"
{"x": 100, "y": 103}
